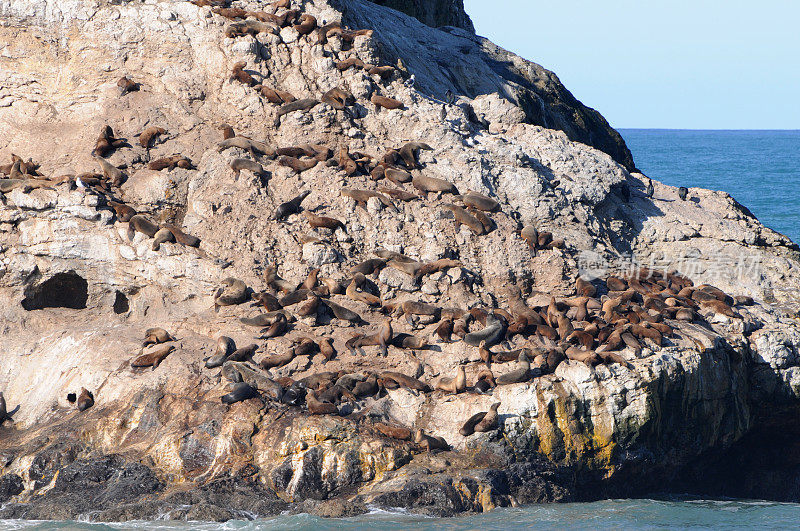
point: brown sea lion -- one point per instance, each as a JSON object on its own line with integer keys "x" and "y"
{"x": 396, "y": 193}
{"x": 490, "y": 420}
{"x": 162, "y": 236}
{"x": 362, "y": 196}
{"x": 299, "y": 105}
{"x": 401, "y": 380}
{"x": 111, "y": 172}
{"x": 126, "y": 85}
{"x": 123, "y": 212}
{"x": 349, "y": 63}
{"x": 408, "y": 152}
{"x": 234, "y": 291}
{"x": 154, "y": 336}
{"x": 368, "y": 267}
{"x": 386, "y": 103}
{"x": 181, "y": 237}
{"x": 170, "y": 163}
{"x": 106, "y": 142}
{"x": 152, "y": 356}
{"x": 225, "y": 347}
{"x": 237, "y": 165}
{"x": 243, "y": 353}
{"x": 148, "y": 135}
{"x": 298, "y": 165}
{"x": 455, "y": 385}
{"x": 345, "y": 314}
{"x": 248, "y": 144}
{"x": 531, "y": 236}
{"x": 479, "y": 201}
{"x": 323, "y": 221}
{"x": 338, "y": 98}
{"x": 140, "y": 223}
{"x": 85, "y": 399}
{"x": 432, "y": 184}
{"x": 429, "y": 442}
{"x": 316, "y": 407}
{"x": 238, "y": 74}
{"x": 393, "y": 432}
{"x": 383, "y": 71}
{"x": 306, "y": 25}
{"x": 463, "y": 217}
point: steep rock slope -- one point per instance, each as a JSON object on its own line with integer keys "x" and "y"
{"x": 78, "y": 292}
{"x": 434, "y": 13}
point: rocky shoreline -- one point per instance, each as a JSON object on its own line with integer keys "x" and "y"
{"x": 438, "y": 297}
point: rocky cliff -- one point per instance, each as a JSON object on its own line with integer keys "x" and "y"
{"x": 365, "y": 302}
{"x": 434, "y": 13}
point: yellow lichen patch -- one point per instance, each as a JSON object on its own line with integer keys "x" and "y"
{"x": 166, "y": 456}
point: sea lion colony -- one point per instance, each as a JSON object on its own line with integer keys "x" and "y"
{"x": 605, "y": 321}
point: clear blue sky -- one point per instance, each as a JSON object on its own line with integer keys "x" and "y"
{"x": 702, "y": 64}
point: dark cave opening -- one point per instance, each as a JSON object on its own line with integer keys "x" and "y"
{"x": 62, "y": 290}
{"x": 121, "y": 304}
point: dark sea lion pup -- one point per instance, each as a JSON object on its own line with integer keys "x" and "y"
{"x": 85, "y": 399}
{"x": 240, "y": 391}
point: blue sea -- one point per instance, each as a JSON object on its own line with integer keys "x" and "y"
{"x": 612, "y": 514}
{"x": 760, "y": 169}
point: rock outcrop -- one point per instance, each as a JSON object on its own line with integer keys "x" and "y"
{"x": 168, "y": 436}
{"x": 434, "y": 13}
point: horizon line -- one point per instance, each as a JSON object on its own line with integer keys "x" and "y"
{"x": 701, "y": 129}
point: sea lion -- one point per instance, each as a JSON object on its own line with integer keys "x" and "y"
{"x": 490, "y": 335}
{"x": 650, "y": 188}
{"x": 432, "y": 184}
{"x": 479, "y": 201}
{"x": 396, "y": 193}
{"x": 171, "y": 162}
{"x": 531, "y": 236}
{"x": 455, "y": 385}
{"x": 362, "y": 196}
{"x": 368, "y": 267}
{"x": 323, "y": 221}
{"x": 463, "y": 217}
{"x": 298, "y": 165}
{"x": 381, "y": 338}
{"x": 148, "y": 135}
{"x": 233, "y": 292}
{"x": 340, "y": 312}
{"x": 397, "y": 176}
{"x": 163, "y": 235}
{"x": 232, "y": 13}
{"x": 410, "y": 308}
{"x": 278, "y": 360}
{"x": 338, "y": 98}
{"x": 468, "y": 428}
{"x": 111, "y": 172}
{"x": 85, "y": 399}
{"x": 401, "y": 380}
{"x": 126, "y": 85}
{"x": 237, "y": 165}
{"x": 393, "y": 432}
{"x": 241, "y": 28}
{"x": 4, "y": 415}
{"x": 349, "y": 63}
{"x": 248, "y": 144}
{"x": 290, "y": 207}
{"x": 225, "y": 347}
{"x": 106, "y": 142}
{"x": 445, "y": 330}
{"x": 243, "y": 353}
{"x": 272, "y": 95}
{"x": 181, "y": 237}
{"x": 238, "y": 74}
{"x": 386, "y": 103}
{"x": 153, "y": 356}
{"x": 123, "y": 212}
{"x": 154, "y": 336}
{"x": 409, "y": 151}
{"x": 277, "y": 328}
{"x": 140, "y": 223}
{"x": 430, "y": 442}
{"x": 683, "y": 192}
{"x": 240, "y": 391}
{"x": 316, "y": 407}
{"x": 520, "y": 374}
{"x": 306, "y": 25}
{"x": 490, "y": 420}
{"x": 382, "y": 71}
{"x": 352, "y": 291}
{"x": 299, "y": 105}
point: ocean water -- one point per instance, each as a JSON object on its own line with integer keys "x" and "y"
{"x": 612, "y": 514}
{"x": 760, "y": 169}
